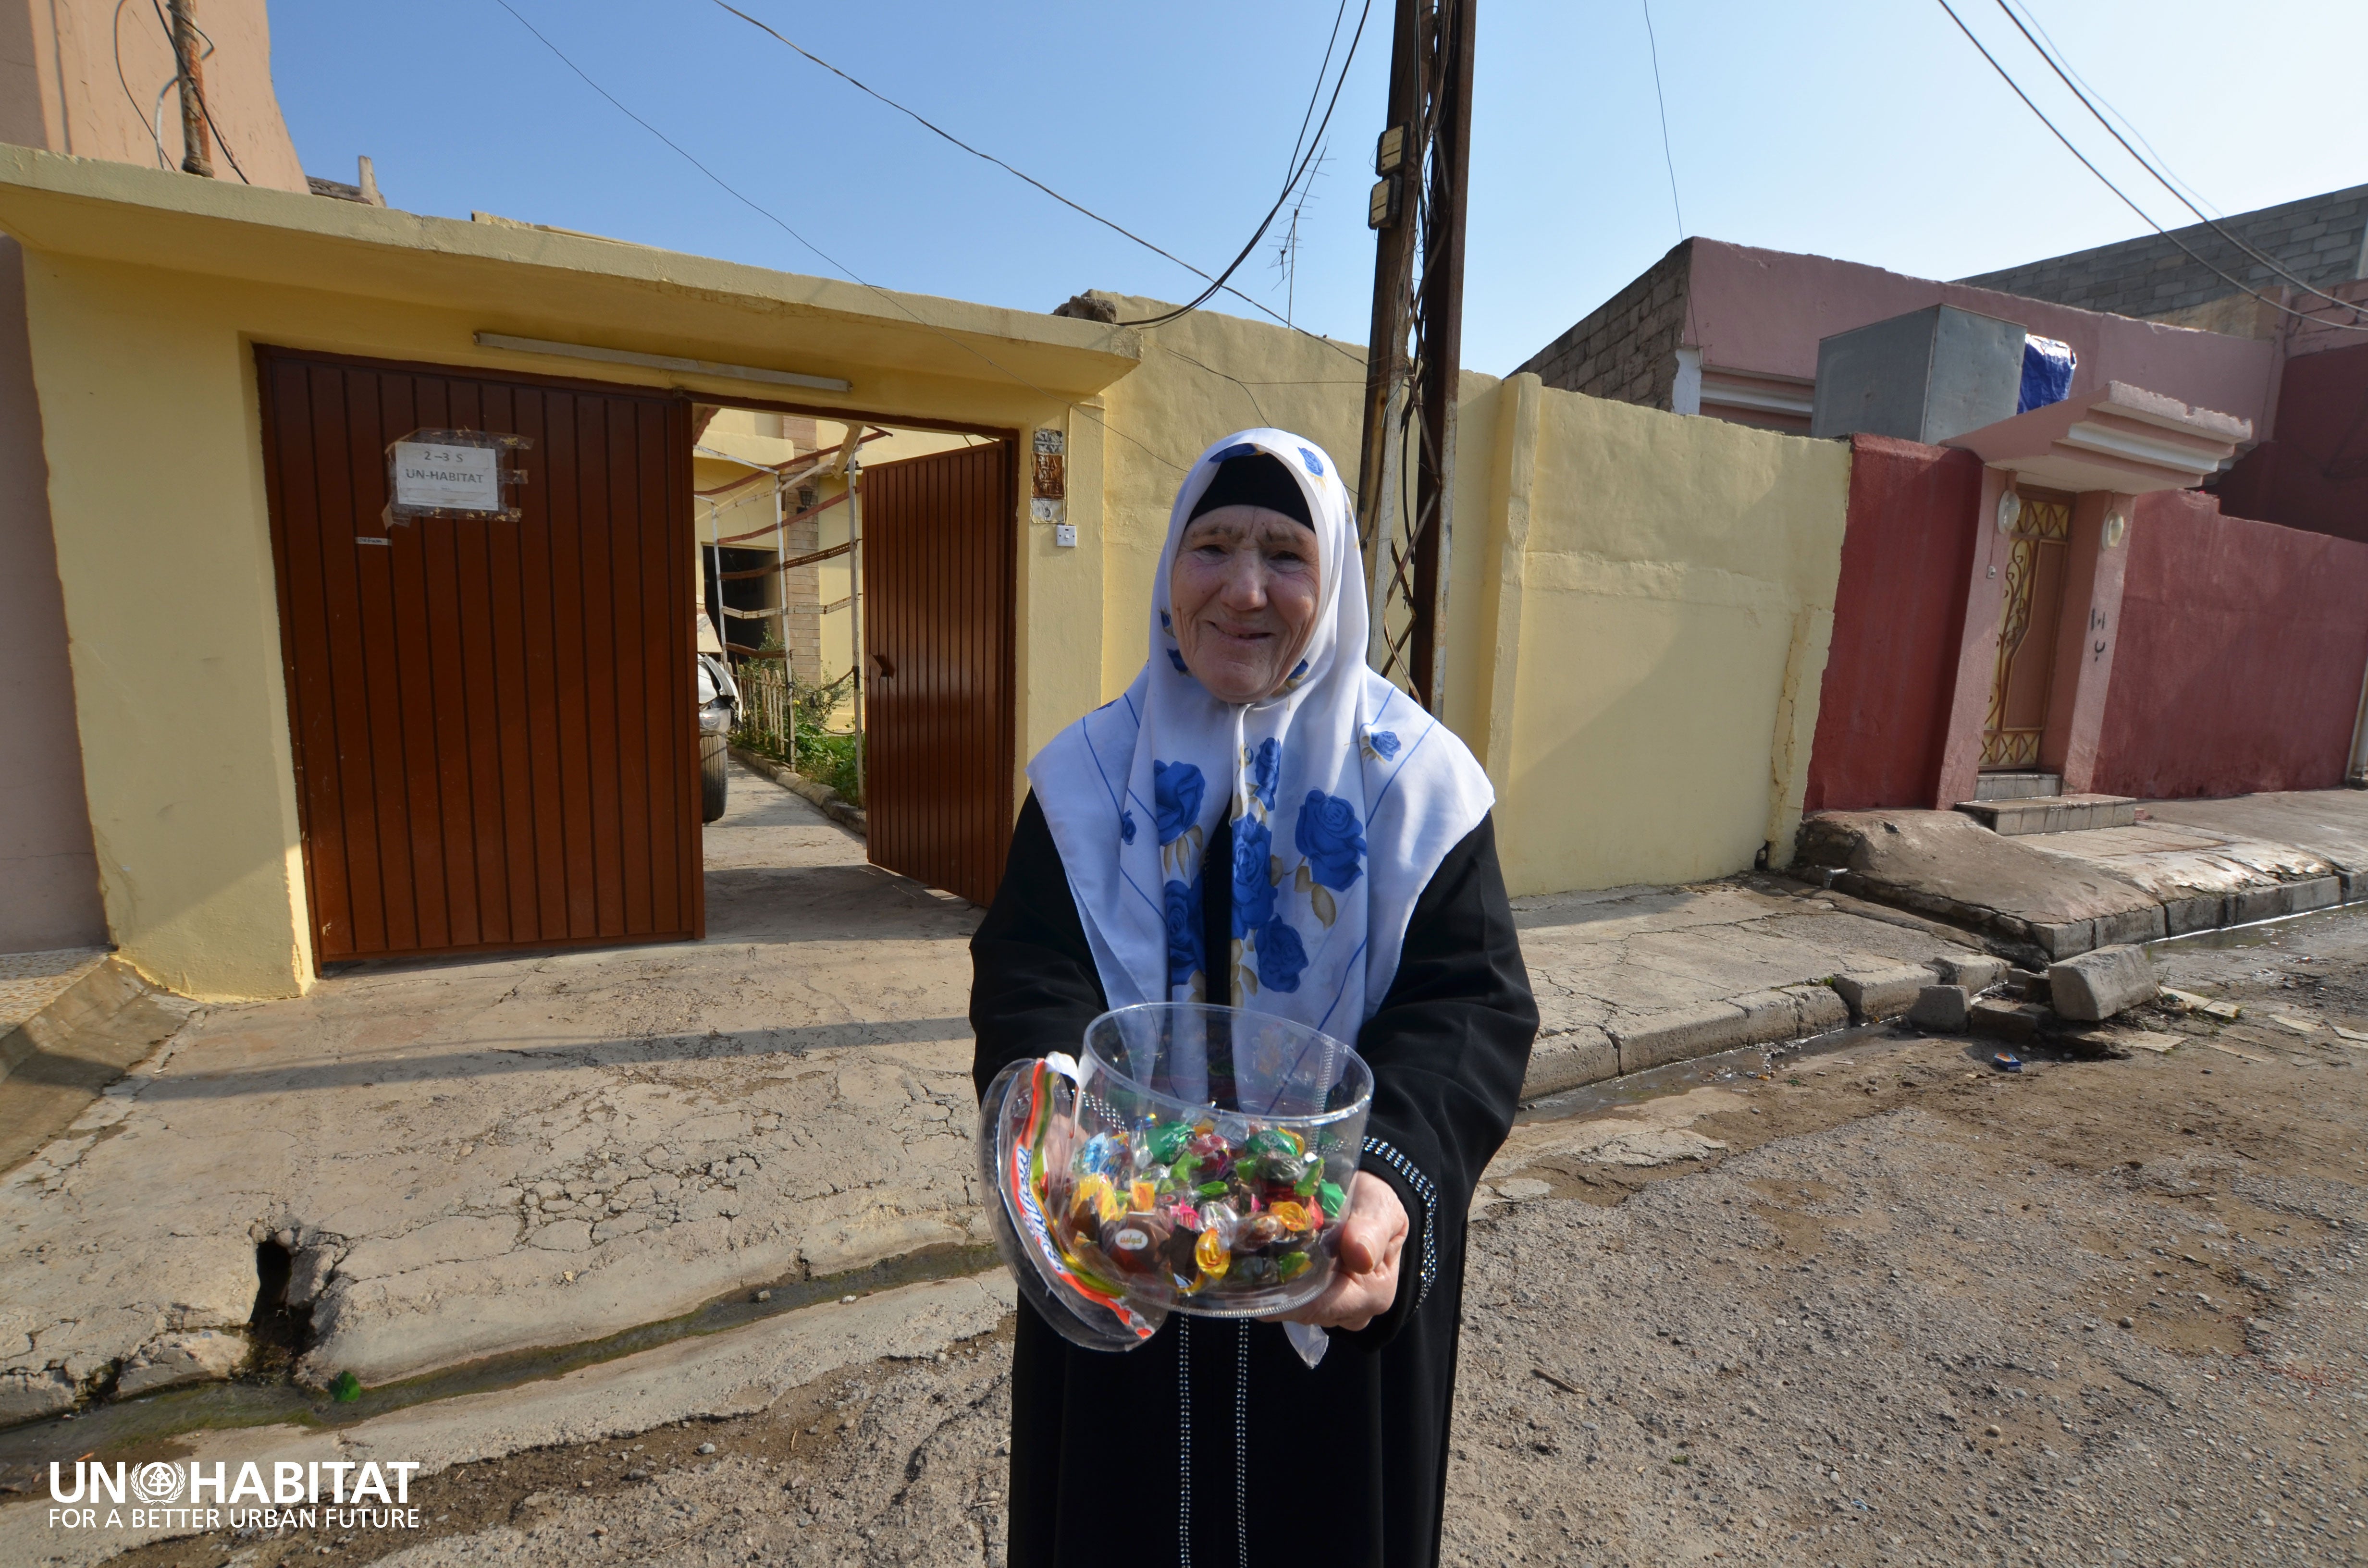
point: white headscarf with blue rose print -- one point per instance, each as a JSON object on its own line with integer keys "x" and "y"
{"x": 1348, "y": 795}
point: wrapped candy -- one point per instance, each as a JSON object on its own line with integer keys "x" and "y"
{"x": 1189, "y": 1158}
{"x": 1094, "y": 1192}
{"x": 1212, "y": 1254}
{"x": 1207, "y": 1211}
{"x": 1105, "y": 1154}
{"x": 1138, "y": 1244}
{"x": 1168, "y": 1142}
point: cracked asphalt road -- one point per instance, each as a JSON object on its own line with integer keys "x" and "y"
{"x": 1883, "y": 1306}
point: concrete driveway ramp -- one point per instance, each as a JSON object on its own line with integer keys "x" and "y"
{"x": 1945, "y": 864}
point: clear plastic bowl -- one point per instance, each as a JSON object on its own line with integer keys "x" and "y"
{"x": 1193, "y": 1159}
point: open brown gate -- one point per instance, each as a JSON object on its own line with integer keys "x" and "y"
{"x": 939, "y": 541}
{"x": 493, "y": 720}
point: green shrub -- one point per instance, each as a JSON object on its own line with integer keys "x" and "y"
{"x": 829, "y": 758}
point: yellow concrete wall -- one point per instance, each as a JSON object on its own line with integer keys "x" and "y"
{"x": 155, "y": 459}
{"x": 1638, "y": 607}
{"x": 153, "y": 435}
{"x": 1638, "y": 610}
{"x": 1659, "y": 598}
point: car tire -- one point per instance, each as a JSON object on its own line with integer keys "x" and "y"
{"x": 714, "y": 776}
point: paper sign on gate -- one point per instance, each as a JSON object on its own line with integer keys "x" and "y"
{"x": 433, "y": 477}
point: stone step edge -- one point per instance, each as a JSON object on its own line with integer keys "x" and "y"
{"x": 2036, "y": 944}
{"x": 2052, "y": 813}
{"x": 837, "y": 807}
{"x": 1771, "y": 1016}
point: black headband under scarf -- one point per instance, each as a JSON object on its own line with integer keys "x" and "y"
{"x": 1259, "y": 480}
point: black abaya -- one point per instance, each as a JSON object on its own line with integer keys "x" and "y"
{"x": 1214, "y": 1443}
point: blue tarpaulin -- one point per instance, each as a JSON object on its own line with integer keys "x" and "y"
{"x": 2046, "y": 373}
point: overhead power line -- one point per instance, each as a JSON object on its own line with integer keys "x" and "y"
{"x": 2160, "y": 178}
{"x": 2032, "y": 18}
{"x": 1074, "y": 205}
{"x": 2085, "y": 163}
{"x": 1322, "y": 69}
{"x": 1297, "y": 174}
{"x": 1661, "y": 98}
{"x": 836, "y": 265}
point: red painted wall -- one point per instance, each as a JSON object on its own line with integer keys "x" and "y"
{"x": 2314, "y": 474}
{"x": 1899, "y": 614}
{"x": 2241, "y": 649}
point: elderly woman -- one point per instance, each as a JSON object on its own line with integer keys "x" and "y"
{"x": 1262, "y": 820}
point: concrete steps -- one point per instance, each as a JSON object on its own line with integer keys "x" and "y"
{"x": 2016, "y": 786}
{"x": 2052, "y": 813}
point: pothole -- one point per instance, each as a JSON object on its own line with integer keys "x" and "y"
{"x": 281, "y": 1331}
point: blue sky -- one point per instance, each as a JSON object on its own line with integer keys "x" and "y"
{"x": 1865, "y": 128}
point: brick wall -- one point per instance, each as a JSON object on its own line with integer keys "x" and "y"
{"x": 2316, "y": 239}
{"x": 1628, "y": 349}
{"x": 801, "y": 597}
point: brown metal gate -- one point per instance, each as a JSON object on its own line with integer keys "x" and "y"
{"x": 493, "y": 720}
{"x": 938, "y": 543}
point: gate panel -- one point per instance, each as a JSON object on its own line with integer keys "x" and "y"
{"x": 493, "y": 722}
{"x": 939, "y": 542}
{"x": 2033, "y": 594}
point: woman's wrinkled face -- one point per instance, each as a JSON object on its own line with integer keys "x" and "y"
{"x": 1242, "y": 597}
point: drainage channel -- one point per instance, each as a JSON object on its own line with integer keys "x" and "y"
{"x": 1677, "y": 1077}
{"x": 124, "y": 1429}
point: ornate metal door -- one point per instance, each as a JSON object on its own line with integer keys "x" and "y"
{"x": 2041, "y": 545}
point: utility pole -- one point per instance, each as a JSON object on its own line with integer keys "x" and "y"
{"x": 196, "y": 150}
{"x": 1417, "y": 208}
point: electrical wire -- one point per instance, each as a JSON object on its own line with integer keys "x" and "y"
{"x": 1661, "y": 100}
{"x": 1339, "y": 82}
{"x": 1315, "y": 92}
{"x": 2032, "y": 18}
{"x": 2160, "y": 178}
{"x": 845, "y": 271}
{"x": 1021, "y": 175}
{"x": 147, "y": 121}
{"x": 2108, "y": 185}
{"x": 196, "y": 87}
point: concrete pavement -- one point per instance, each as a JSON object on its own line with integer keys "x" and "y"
{"x": 457, "y": 1160}
{"x": 1886, "y": 1307}
{"x": 1634, "y": 978}
{"x": 474, "y": 1157}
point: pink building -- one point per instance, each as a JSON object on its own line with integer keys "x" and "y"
{"x": 2051, "y": 602}
{"x": 1732, "y": 332}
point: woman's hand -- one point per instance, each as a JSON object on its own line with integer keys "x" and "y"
{"x": 1365, "y": 1269}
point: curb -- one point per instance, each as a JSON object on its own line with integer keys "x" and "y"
{"x": 1760, "y": 1017}
{"x": 837, "y": 807}
{"x": 2038, "y": 943}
